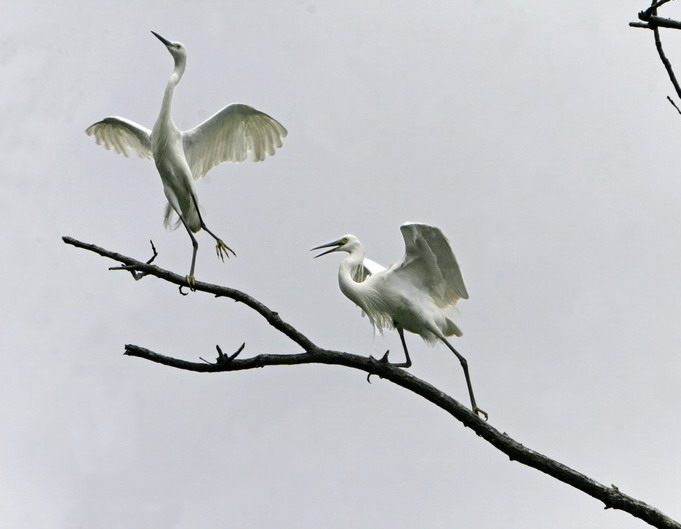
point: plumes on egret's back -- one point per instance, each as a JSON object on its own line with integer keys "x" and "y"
{"x": 185, "y": 156}
{"x": 416, "y": 294}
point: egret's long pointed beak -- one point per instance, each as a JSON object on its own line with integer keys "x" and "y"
{"x": 163, "y": 40}
{"x": 336, "y": 246}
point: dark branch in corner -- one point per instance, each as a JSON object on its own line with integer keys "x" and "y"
{"x": 610, "y": 496}
{"x": 653, "y": 21}
{"x": 665, "y": 61}
{"x": 650, "y": 20}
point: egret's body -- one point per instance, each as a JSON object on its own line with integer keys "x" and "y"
{"x": 182, "y": 157}
{"x": 416, "y": 294}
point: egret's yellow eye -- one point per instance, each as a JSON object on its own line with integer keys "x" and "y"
{"x": 344, "y": 240}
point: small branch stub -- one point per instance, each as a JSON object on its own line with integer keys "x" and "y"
{"x": 133, "y": 270}
{"x": 222, "y": 358}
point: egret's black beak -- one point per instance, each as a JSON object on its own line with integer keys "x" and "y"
{"x": 336, "y": 246}
{"x": 164, "y": 41}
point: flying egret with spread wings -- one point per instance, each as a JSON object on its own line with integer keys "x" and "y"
{"x": 182, "y": 157}
{"x": 416, "y": 294}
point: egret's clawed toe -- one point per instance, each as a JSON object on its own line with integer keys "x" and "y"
{"x": 222, "y": 250}
{"x": 385, "y": 360}
{"x": 191, "y": 282}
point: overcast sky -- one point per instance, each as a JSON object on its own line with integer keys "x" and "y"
{"x": 535, "y": 134}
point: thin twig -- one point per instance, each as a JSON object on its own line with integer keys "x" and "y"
{"x": 674, "y": 104}
{"x": 223, "y": 358}
{"x": 138, "y": 275}
{"x": 665, "y": 61}
{"x": 652, "y": 10}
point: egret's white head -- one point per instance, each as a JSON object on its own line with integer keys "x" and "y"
{"x": 347, "y": 243}
{"x": 176, "y": 49}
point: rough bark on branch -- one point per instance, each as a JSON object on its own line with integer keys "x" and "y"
{"x": 611, "y": 496}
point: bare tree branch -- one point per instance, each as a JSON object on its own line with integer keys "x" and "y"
{"x": 652, "y": 10}
{"x": 650, "y": 20}
{"x": 219, "y": 291}
{"x": 665, "y": 61}
{"x": 610, "y": 496}
{"x": 653, "y": 21}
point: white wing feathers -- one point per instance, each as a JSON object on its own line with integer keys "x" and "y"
{"x": 372, "y": 267}
{"x": 368, "y": 268}
{"x": 430, "y": 263}
{"x": 121, "y": 134}
{"x": 229, "y": 136}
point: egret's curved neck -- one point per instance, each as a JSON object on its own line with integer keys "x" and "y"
{"x": 164, "y": 115}
{"x": 348, "y": 270}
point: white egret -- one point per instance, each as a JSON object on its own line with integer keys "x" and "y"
{"x": 416, "y": 294}
{"x": 184, "y": 156}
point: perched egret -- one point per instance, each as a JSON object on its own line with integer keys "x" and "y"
{"x": 415, "y": 294}
{"x": 184, "y": 156}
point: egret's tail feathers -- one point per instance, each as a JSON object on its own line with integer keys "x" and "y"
{"x": 452, "y": 328}
{"x": 168, "y": 220}
{"x": 193, "y": 219}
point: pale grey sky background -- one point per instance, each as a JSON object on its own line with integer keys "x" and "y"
{"x": 535, "y": 134}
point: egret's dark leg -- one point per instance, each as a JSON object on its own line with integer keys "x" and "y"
{"x": 190, "y": 278}
{"x": 406, "y": 363}
{"x": 384, "y": 358}
{"x": 220, "y": 248}
{"x": 464, "y": 364}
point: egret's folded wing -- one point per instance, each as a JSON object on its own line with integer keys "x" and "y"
{"x": 121, "y": 134}
{"x": 368, "y": 268}
{"x": 430, "y": 263}
{"x": 372, "y": 267}
{"x": 229, "y": 136}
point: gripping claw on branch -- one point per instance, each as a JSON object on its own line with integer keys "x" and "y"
{"x": 191, "y": 281}
{"x": 382, "y": 360}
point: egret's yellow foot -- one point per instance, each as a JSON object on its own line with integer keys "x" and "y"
{"x": 223, "y": 250}
{"x": 191, "y": 281}
{"x": 478, "y": 411}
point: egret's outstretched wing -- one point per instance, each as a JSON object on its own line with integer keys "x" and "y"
{"x": 229, "y": 136}
{"x": 121, "y": 134}
{"x": 430, "y": 264}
